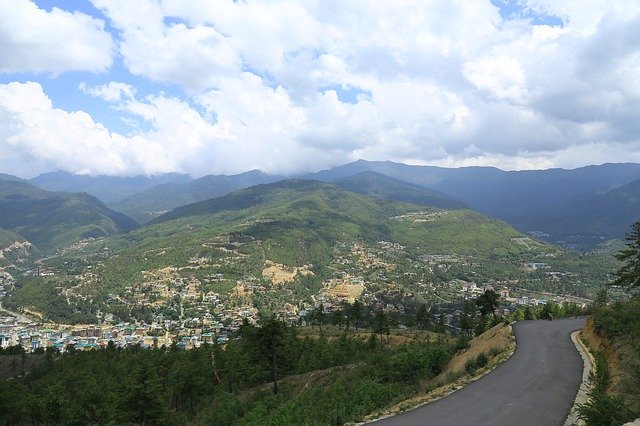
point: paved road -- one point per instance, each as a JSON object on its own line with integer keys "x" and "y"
{"x": 536, "y": 386}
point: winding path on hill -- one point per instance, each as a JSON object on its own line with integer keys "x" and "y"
{"x": 536, "y": 386}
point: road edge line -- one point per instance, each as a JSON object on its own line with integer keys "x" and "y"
{"x": 582, "y": 395}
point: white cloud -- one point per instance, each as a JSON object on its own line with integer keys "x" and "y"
{"x": 286, "y": 85}
{"x": 33, "y": 40}
{"x": 33, "y": 129}
{"x": 111, "y": 92}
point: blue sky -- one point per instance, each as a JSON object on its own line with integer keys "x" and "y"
{"x": 200, "y": 87}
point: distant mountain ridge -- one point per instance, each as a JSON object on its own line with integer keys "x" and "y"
{"x": 571, "y": 206}
{"x": 591, "y": 220}
{"x": 107, "y": 189}
{"x": 53, "y": 219}
{"x": 522, "y": 198}
{"x": 159, "y": 199}
{"x": 377, "y": 185}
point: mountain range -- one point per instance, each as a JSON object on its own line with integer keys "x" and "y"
{"x": 578, "y": 208}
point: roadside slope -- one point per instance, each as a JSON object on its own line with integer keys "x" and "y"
{"x": 536, "y": 386}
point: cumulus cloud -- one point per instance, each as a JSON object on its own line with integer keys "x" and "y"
{"x": 33, "y": 128}
{"x": 288, "y": 86}
{"x": 111, "y": 92}
{"x": 33, "y": 40}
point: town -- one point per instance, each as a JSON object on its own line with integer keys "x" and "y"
{"x": 187, "y": 311}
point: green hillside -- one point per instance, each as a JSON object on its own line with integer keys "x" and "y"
{"x": 588, "y": 221}
{"x": 53, "y": 219}
{"x": 316, "y": 236}
{"x": 384, "y": 187}
{"x": 159, "y": 199}
{"x": 7, "y": 238}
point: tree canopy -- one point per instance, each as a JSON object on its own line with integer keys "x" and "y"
{"x": 629, "y": 274}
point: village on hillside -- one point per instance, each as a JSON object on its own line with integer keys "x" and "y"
{"x": 188, "y": 310}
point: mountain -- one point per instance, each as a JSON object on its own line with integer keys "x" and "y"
{"x": 52, "y": 219}
{"x": 282, "y": 245}
{"x": 519, "y": 197}
{"x": 161, "y": 198}
{"x": 7, "y": 238}
{"x": 108, "y": 189}
{"x": 4, "y": 176}
{"x": 387, "y": 188}
{"x": 587, "y": 221}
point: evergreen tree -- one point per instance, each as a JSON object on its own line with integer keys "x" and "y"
{"x": 381, "y": 322}
{"x": 488, "y": 302}
{"x": 629, "y": 274}
{"x": 143, "y": 396}
{"x": 422, "y": 317}
{"x": 468, "y": 318}
{"x": 268, "y": 343}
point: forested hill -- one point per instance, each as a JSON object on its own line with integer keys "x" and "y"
{"x": 387, "y": 188}
{"x": 590, "y": 220}
{"x": 107, "y": 189}
{"x": 7, "y": 238}
{"x": 530, "y": 200}
{"x": 159, "y": 199}
{"x": 53, "y": 219}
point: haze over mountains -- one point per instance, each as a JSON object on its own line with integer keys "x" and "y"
{"x": 578, "y": 208}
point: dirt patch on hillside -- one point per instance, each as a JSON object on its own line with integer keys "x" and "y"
{"x": 346, "y": 292}
{"x": 278, "y": 273}
{"x": 497, "y": 338}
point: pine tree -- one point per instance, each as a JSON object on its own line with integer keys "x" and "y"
{"x": 629, "y": 274}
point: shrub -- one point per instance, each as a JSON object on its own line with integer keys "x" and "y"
{"x": 470, "y": 366}
{"x": 481, "y": 360}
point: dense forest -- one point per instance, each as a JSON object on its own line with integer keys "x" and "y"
{"x": 271, "y": 375}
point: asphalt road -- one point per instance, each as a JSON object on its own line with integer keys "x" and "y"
{"x": 536, "y": 386}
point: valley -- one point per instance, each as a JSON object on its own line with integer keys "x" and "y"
{"x": 287, "y": 248}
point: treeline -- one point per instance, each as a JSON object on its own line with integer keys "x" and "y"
{"x": 271, "y": 375}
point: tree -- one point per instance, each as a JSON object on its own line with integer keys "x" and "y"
{"x": 488, "y": 302}
{"x": 142, "y": 396}
{"x": 528, "y": 313}
{"x": 468, "y": 318}
{"x": 422, "y": 317}
{"x": 629, "y": 274}
{"x": 268, "y": 342}
{"x": 318, "y": 316}
{"x": 356, "y": 313}
{"x": 381, "y": 322}
{"x": 441, "y": 327}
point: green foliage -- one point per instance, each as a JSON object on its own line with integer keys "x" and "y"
{"x": 488, "y": 302}
{"x": 41, "y": 294}
{"x": 321, "y": 381}
{"x": 603, "y": 409}
{"x": 472, "y": 365}
{"x": 629, "y": 274}
{"x": 53, "y": 219}
{"x": 619, "y": 323}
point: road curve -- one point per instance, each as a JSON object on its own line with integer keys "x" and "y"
{"x": 536, "y": 386}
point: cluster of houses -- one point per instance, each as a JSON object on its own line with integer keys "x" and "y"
{"x": 33, "y": 337}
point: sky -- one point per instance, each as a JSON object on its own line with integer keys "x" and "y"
{"x": 120, "y": 87}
